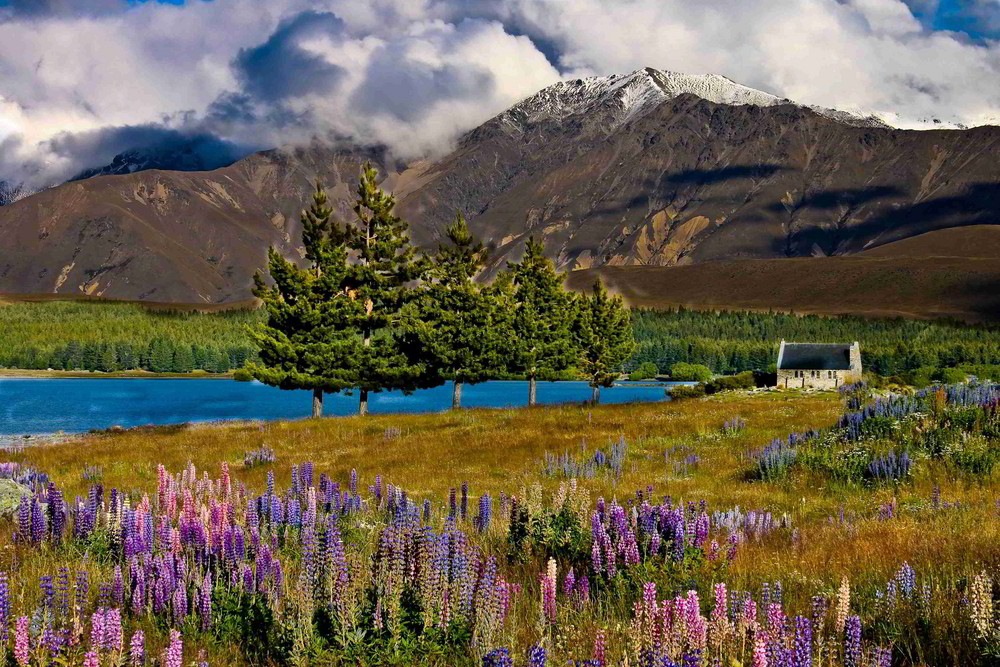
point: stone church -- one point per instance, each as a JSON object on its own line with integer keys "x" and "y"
{"x": 818, "y": 365}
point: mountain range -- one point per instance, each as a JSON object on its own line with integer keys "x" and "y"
{"x": 649, "y": 174}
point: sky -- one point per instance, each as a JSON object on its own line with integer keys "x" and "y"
{"x": 83, "y": 80}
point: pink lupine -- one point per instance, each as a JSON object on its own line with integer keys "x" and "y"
{"x": 549, "y": 591}
{"x": 97, "y": 629}
{"x": 91, "y": 659}
{"x": 22, "y": 641}
{"x": 137, "y": 649}
{"x": 759, "y": 650}
{"x": 174, "y": 655}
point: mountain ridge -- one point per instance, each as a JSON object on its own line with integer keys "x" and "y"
{"x": 621, "y": 171}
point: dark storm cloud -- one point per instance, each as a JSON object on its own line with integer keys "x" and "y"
{"x": 160, "y": 147}
{"x": 282, "y": 68}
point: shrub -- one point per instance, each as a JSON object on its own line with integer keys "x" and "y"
{"x": 739, "y": 381}
{"x": 685, "y": 372}
{"x": 921, "y": 377}
{"x": 687, "y": 391}
{"x": 645, "y": 371}
{"x": 951, "y": 375}
{"x": 242, "y": 375}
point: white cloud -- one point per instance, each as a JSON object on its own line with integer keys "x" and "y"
{"x": 417, "y": 73}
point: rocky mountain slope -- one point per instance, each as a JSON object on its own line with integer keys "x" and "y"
{"x": 647, "y": 169}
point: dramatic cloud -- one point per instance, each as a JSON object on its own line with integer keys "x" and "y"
{"x": 86, "y": 79}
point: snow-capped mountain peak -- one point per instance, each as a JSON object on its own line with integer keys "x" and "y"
{"x": 630, "y": 95}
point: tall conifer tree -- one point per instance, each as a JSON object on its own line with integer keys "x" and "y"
{"x": 603, "y": 333}
{"x": 467, "y": 331}
{"x": 543, "y": 316}
{"x": 306, "y": 342}
{"x": 380, "y": 280}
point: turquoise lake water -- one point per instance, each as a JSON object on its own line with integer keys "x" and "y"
{"x": 50, "y": 405}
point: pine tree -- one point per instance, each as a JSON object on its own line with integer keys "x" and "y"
{"x": 543, "y": 316}
{"x": 393, "y": 354}
{"x": 468, "y": 332}
{"x": 603, "y": 333}
{"x": 307, "y": 342}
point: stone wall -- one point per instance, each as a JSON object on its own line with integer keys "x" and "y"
{"x": 812, "y": 379}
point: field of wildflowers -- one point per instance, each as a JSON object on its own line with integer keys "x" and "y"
{"x": 867, "y": 533}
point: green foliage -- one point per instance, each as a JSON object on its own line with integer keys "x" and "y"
{"x": 685, "y": 372}
{"x": 543, "y": 313}
{"x": 242, "y": 375}
{"x": 466, "y": 328}
{"x": 950, "y": 375}
{"x": 247, "y": 621}
{"x": 304, "y": 344}
{"x": 603, "y": 333}
{"x": 645, "y": 371}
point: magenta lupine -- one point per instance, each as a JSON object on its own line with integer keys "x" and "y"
{"x": 174, "y": 655}
{"x": 137, "y": 649}
{"x": 22, "y": 641}
{"x": 549, "y": 591}
{"x": 91, "y": 659}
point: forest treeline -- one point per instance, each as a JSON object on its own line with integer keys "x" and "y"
{"x": 732, "y": 342}
{"x": 111, "y": 337}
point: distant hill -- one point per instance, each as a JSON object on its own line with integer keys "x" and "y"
{"x": 934, "y": 282}
{"x": 631, "y": 174}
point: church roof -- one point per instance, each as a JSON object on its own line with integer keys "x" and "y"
{"x": 815, "y": 356}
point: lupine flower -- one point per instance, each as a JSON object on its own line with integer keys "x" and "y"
{"x": 22, "y": 641}
{"x": 852, "y": 642}
{"x": 536, "y": 657}
{"x": 174, "y": 655}
{"x": 843, "y": 605}
{"x": 599, "y": 648}
{"x": 137, "y": 649}
{"x": 981, "y": 604}
{"x": 91, "y": 659}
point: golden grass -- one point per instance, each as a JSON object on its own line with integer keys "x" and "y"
{"x": 502, "y": 451}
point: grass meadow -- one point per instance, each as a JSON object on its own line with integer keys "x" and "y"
{"x": 510, "y": 501}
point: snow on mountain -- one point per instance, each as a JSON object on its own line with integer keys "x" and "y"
{"x": 630, "y": 95}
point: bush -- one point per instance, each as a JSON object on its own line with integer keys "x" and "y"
{"x": 242, "y": 375}
{"x": 950, "y": 375}
{"x": 921, "y": 377}
{"x": 685, "y": 372}
{"x": 744, "y": 380}
{"x": 645, "y": 371}
{"x": 687, "y": 391}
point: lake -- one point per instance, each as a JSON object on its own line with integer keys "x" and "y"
{"x": 48, "y": 405}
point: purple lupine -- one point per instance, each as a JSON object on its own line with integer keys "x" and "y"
{"x": 569, "y": 582}
{"x": 353, "y": 485}
{"x": 180, "y": 604}
{"x": 205, "y": 602}
{"x": 536, "y": 657}
{"x": 852, "y": 642}
{"x": 91, "y": 659}
{"x": 118, "y": 590}
{"x": 113, "y": 638}
{"x": 4, "y": 606}
{"x": 82, "y": 589}
{"x": 464, "y": 509}
{"x": 427, "y": 510}
{"x": 498, "y": 657}
{"x": 803, "y": 642}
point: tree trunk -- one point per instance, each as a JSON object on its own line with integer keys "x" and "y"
{"x": 531, "y": 390}
{"x": 456, "y": 395}
{"x": 363, "y": 407}
{"x": 595, "y": 397}
{"x": 317, "y": 403}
